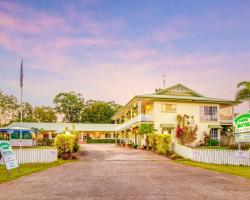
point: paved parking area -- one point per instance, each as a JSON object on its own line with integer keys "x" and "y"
{"x": 109, "y": 172}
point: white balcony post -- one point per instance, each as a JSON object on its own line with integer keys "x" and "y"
{"x": 139, "y": 109}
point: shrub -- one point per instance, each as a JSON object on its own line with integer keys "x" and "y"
{"x": 102, "y": 141}
{"x": 151, "y": 141}
{"x": 45, "y": 142}
{"x": 213, "y": 142}
{"x": 163, "y": 143}
{"x": 65, "y": 145}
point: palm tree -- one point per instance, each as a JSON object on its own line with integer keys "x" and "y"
{"x": 244, "y": 93}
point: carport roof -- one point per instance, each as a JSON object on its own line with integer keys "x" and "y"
{"x": 63, "y": 126}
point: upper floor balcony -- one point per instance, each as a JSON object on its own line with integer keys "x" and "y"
{"x": 139, "y": 118}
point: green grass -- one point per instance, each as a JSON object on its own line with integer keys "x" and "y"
{"x": 27, "y": 169}
{"x": 243, "y": 171}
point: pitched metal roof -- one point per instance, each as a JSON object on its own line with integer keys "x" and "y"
{"x": 63, "y": 126}
{"x": 169, "y": 95}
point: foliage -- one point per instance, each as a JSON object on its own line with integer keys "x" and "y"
{"x": 186, "y": 130}
{"x": 244, "y": 92}
{"x": 151, "y": 141}
{"x": 46, "y": 142}
{"x": 159, "y": 142}
{"x": 213, "y": 142}
{"x": 146, "y": 129}
{"x": 8, "y": 109}
{"x": 44, "y": 114}
{"x": 65, "y": 144}
{"x": 70, "y": 104}
{"x": 99, "y": 111}
{"x": 27, "y": 112}
{"x": 100, "y": 141}
{"x": 163, "y": 143}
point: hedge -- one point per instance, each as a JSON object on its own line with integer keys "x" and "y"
{"x": 159, "y": 142}
{"x": 101, "y": 141}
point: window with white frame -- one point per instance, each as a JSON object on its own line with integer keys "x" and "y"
{"x": 168, "y": 107}
{"x": 214, "y": 133}
{"x": 209, "y": 113}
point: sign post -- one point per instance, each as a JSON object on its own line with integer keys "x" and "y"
{"x": 242, "y": 128}
{"x": 8, "y": 156}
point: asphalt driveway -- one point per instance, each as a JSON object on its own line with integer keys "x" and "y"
{"x": 110, "y": 172}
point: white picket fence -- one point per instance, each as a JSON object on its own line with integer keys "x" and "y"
{"x": 214, "y": 156}
{"x": 46, "y": 155}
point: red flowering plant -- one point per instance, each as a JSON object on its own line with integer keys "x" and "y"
{"x": 179, "y": 131}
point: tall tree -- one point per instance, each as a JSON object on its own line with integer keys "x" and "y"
{"x": 99, "y": 111}
{"x": 8, "y": 109}
{"x": 44, "y": 114}
{"x": 243, "y": 93}
{"x": 70, "y": 104}
{"x": 27, "y": 112}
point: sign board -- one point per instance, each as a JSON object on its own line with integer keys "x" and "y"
{"x": 8, "y": 155}
{"x": 242, "y": 137}
{"x": 242, "y": 123}
{"x": 241, "y": 154}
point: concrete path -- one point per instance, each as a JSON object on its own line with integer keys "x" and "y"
{"x": 110, "y": 172}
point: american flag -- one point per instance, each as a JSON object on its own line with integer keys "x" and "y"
{"x": 21, "y": 74}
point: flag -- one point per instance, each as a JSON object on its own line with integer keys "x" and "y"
{"x": 21, "y": 74}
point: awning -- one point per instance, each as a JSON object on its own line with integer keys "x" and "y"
{"x": 167, "y": 126}
{"x": 214, "y": 126}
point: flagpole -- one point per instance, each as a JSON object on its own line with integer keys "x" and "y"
{"x": 21, "y": 118}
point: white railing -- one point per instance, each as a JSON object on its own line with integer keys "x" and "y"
{"x": 214, "y": 156}
{"x": 46, "y": 155}
{"x": 134, "y": 120}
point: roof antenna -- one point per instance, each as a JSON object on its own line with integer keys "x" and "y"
{"x": 164, "y": 80}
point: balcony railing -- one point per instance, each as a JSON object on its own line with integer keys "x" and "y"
{"x": 134, "y": 120}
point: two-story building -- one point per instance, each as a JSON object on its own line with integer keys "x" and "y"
{"x": 161, "y": 108}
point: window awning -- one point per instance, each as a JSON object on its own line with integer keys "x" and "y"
{"x": 214, "y": 126}
{"x": 167, "y": 126}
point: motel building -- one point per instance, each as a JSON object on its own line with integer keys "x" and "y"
{"x": 161, "y": 108}
{"x": 211, "y": 115}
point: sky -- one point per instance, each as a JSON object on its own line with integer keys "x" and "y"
{"x": 115, "y": 49}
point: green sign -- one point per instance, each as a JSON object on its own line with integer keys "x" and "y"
{"x": 8, "y": 155}
{"x": 242, "y": 123}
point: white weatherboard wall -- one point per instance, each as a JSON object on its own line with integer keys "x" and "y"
{"x": 182, "y": 108}
{"x": 213, "y": 156}
{"x": 35, "y": 155}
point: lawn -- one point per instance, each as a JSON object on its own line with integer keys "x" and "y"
{"x": 243, "y": 171}
{"x": 27, "y": 169}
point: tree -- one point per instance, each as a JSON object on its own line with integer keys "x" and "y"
{"x": 27, "y": 112}
{"x": 44, "y": 114}
{"x": 99, "y": 111}
{"x": 244, "y": 92}
{"x": 70, "y": 104}
{"x": 146, "y": 129}
{"x": 8, "y": 109}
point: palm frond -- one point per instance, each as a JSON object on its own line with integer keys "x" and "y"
{"x": 244, "y": 83}
{"x": 242, "y": 95}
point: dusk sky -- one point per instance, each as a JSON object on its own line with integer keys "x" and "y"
{"x": 115, "y": 49}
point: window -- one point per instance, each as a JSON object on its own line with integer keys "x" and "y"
{"x": 107, "y": 135}
{"x": 168, "y": 108}
{"x": 209, "y": 113}
{"x": 165, "y": 130}
{"x": 214, "y": 133}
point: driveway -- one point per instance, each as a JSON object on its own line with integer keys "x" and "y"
{"x": 110, "y": 172}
